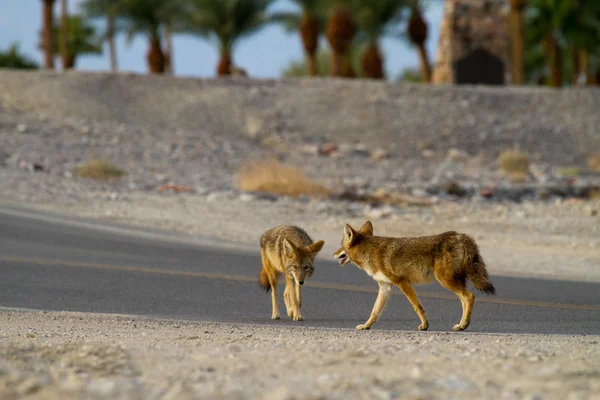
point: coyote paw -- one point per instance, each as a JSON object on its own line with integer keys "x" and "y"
{"x": 363, "y": 327}
{"x": 424, "y": 327}
{"x": 275, "y": 316}
{"x": 459, "y": 327}
{"x": 298, "y": 318}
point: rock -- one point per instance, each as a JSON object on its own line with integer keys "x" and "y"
{"x": 428, "y": 154}
{"x": 591, "y": 212}
{"x": 311, "y": 149}
{"x": 265, "y": 196}
{"x": 22, "y": 128}
{"x": 360, "y": 153}
{"x": 380, "y": 154}
{"x": 28, "y": 386}
{"x": 253, "y": 126}
{"x": 457, "y": 155}
{"x": 31, "y": 167}
{"x": 418, "y": 192}
{"x": 455, "y": 383}
{"x": 416, "y": 372}
{"x": 12, "y": 160}
{"x": 217, "y": 196}
{"x": 454, "y": 189}
{"x": 379, "y": 212}
{"x": 327, "y": 149}
{"x": 247, "y": 197}
{"x": 487, "y": 193}
{"x": 3, "y": 157}
{"x": 175, "y": 188}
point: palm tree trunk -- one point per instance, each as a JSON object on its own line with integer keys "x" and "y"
{"x": 156, "y": 57}
{"x": 555, "y": 64}
{"x": 110, "y": 32}
{"x": 518, "y": 38}
{"x": 225, "y": 63}
{"x": 311, "y": 65}
{"x": 48, "y": 23}
{"x": 336, "y": 63}
{"x": 169, "y": 68}
{"x": 425, "y": 66}
{"x": 70, "y": 62}
{"x": 554, "y": 57}
{"x": 64, "y": 32}
{"x": 309, "y": 33}
{"x": 372, "y": 62}
{"x": 584, "y": 65}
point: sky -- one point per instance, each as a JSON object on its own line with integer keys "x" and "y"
{"x": 263, "y": 55}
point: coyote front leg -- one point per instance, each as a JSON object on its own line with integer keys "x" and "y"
{"x": 275, "y": 313}
{"x": 382, "y": 298}
{"x": 289, "y": 288}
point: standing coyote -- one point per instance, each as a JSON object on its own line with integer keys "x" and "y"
{"x": 290, "y": 251}
{"x": 450, "y": 257}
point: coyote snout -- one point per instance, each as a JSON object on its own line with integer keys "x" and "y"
{"x": 287, "y": 250}
{"x": 449, "y": 257}
{"x": 342, "y": 257}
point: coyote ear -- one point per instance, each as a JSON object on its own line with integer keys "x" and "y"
{"x": 367, "y": 229}
{"x": 315, "y": 247}
{"x": 349, "y": 234}
{"x": 288, "y": 248}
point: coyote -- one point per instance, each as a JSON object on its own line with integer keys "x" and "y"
{"x": 450, "y": 257}
{"x": 290, "y": 251}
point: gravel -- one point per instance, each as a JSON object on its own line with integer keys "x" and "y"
{"x": 71, "y": 355}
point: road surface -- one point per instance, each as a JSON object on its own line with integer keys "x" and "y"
{"x": 78, "y": 265}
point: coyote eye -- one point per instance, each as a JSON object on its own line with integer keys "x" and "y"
{"x": 307, "y": 268}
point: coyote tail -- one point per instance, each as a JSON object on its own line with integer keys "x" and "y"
{"x": 479, "y": 276}
{"x": 476, "y": 270}
{"x": 263, "y": 280}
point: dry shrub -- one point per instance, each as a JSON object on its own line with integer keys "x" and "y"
{"x": 98, "y": 169}
{"x": 594, "y": 162}
{"x": 517, "y": 177}
{"x": 568, "y": 172}
{"x": 271, "y": 176}
{"x": 514, "y": 161}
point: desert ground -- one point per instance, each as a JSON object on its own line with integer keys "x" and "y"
{"x": 414, "y": 160}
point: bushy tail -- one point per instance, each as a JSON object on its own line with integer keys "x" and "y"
{"x": 263, "y": 280}
{"x": 478, "y": 275}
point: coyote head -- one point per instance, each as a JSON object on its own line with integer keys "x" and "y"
{"x": 349, "y": 239}
{"x": 299, "y": 261}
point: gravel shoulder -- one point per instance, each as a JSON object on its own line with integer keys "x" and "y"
{"x": 71, "y": 355}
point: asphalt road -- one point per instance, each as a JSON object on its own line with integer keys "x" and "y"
{"x": 77, "y": 265}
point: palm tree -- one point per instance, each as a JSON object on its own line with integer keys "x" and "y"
{"x": 105, "y": 9}
{"x": 13, "y": 58}
{"x": 48, "y": 33}
{"x": 298, "y": 68}
{"x": 226, "y": 21}
{"x": 373, "y": 17}
{"x": 582, "y": 32}
{"x": 339, "y": 31}
{"x": 64, "y": 28}
{"x": 546, "y": 23}
{"x": 310, "y": 24}
{"x": 81, "y": 38}
{"x": 150, "y": 18}
{"x": 518, "y": 40}
{"x": 417, "y": 31}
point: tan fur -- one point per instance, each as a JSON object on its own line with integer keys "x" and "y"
{"x": 449, "y": 257}
{"x": 290, "y": 251}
